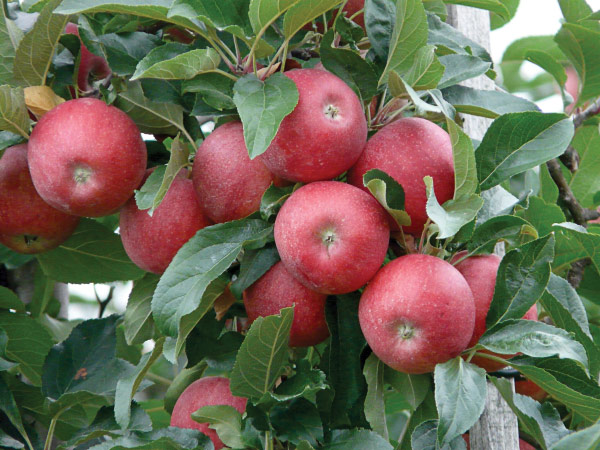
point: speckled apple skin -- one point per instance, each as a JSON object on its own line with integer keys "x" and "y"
{"x": 408, "y": 150}
{"x": 152, "y": 241}
{"x": 86, "y": 134}
{"x": 480, "y": 271}
{"x": 360, "y": 229}
{"x": 24, "y": 212}
{"x": 277, "y": 289}
{"x": 89, "y": 64}
{"x": 427, "y": 294}
{"x": 228, "y": 183}
{"x": 204, "y": 392}
{"x": 311, "y": 146}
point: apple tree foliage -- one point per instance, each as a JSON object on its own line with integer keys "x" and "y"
{"x": 531, "y": 183}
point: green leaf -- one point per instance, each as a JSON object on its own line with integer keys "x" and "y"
{"x": 28, "y": 344}
{"x": 413, "y": 388}
{"x": 150, "y": 117}
{"x": 460, "y": 390}
{"x": 254, "y": 264}
{"x": 426, "y": 71}
{"x": 9, "y": 407}
{"x": 171, "y": 438}
{"x": 350, "y": 67}
{"x": 522, "y": 278}
{"x": 374, "y": 371}
{"x": 460, "y": 68}
{"x": 516, "y": 142}
{"x": 9, "y": 300}
{"x": 355, "y": 439}
{"x": 495, "y": 6}
{"x": 305, "y": 382}
{"x": 161, "y": 63}
{"x": 574, "y": 10}
{"x": 426, "y": 411}
{"x": 227, "y": 15}
{"x": 128, "y": 386}
{"x": 586, "y": 438}
{"x": 483, "y": 103}
{"x": 93, "y": 254}
{"x": 540, "y": 421}
{"x": 380, "y": 18}
{"x": 35, "y": 51}
{"x": 297, "y": 421}
{"x": 573, "y": 243}
{"x": 264, "y": 12}
{"x": 567, "y": 311}
{"x": 10, "y": 36}
{"x": 408, "y": 36}
{"x": 200, "y": 261}
{"x": 262, "y": 355}
{"x": 541, "y": 215}
{"x": 549, "y": 64}
{"x": 500, "y": 228}
{"x": 388, "y": 193}
{"x": 578, "y": 43}
{"x": 303, "y": 12}
{"x": 424, "y": 438}
{"x": 443, "y": 35}
{"x": 273, "y": 199}
{"x": 465, "y": 171}
{"x": 13, "y": 112}
{"x": 584, "y": 182}
{"x": 226, "y": 420}
{"x": 498, "y": 21}
{"x": 144, "y": 198}
{"x": 183, "y": 379}
{"x": 139, "y": 325}
{"x": 262, "y": 106}
{"x": 532, "y": 338}
{"x": 4, "y": 364}
{"x": 342, "y": 363}
{"x": 454, "y": 214}
{"x": 215, "y": 90}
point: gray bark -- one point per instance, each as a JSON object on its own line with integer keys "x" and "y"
{"x": 497, "y": 428}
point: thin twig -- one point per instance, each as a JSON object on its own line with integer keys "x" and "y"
{"x": 587, "y": 113}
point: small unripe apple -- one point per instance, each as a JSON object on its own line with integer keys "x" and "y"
{"x": 206, "y": 391}
{"x": 27, "y": 223}
{"x": 277, "y": 289}
{"x": 228, "y": 183}
{"x": 86, "y": 157}
{"x": 408, "y": 150}
{"x": 324, "y": 135}
{"x": 480, "y": 271}
{"x": 417, "y": 312}
{"x": 152, "y": 241}
{"x": 90, "y": 65}
{"x": 331, "y": 236}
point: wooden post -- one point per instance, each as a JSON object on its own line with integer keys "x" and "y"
{"x": 497, "y": 428}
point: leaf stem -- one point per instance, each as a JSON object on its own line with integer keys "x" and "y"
{"x": 51, "y": 428}
{"x": 424, "y": 234}
{"x": 158, "y": 379}
{"x": 268, "y": 441}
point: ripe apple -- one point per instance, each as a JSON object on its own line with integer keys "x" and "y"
{"x": 86, "y": 157}
{"x": 417, "y": 312}
{"x": 152, "y": 241}
{"x": 331, "y": 236}
{"x": 408, "y": 150}
{"x": 27, "y": 223}
{"x": 480, "y": 272}
{"x": 352, "y": 7}
{"x": 206, "y": 391}
{"x": 324, "y": 135}
{"x": 90, "y": 65}
{"x": 277, "y": 289}
{"x": 229, "y": 185}
{"x": 529, "y": 388}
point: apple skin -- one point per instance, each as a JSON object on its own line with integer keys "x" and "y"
{"x": 324, "y": 135}
{"x": 89, "y": 64}
{"x": 480, "y": 271}
{"x": 353, "y": 6}
{"x": 206, "y": 391}
{"x": 417, "y": 312}
{"x": 331, "y": 236}
{"x": 152, "y": 241}
{"x": 277, "y": 289}
{"x": 408, "y": 150}
{"x": 529, "y": 388}
{"x": 27, "y": 223}
{"x": 86, "y": 157}
{"x": 229, "y": 185}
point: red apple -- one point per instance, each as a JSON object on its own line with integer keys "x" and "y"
{"x": 324, "y": 135}
{"x": 529, "y": 388}
{"x": 572, "y": 87}
{"x": 408, "y": 150}
{"x": 90, "y": 65}
{"x": 331, "y": 236}
{"x": 27, "y": 223}
{"x": 352, "y": 7}
{"x": 417, "y": 312}
{"x": 229, "y": 185}
{"x": 480, "y": 272}
{"x": 204, "y": 392}
{"x": 277, "y": 289}
{"x": 152, "y": 241}
{"x": 86, "y": 157}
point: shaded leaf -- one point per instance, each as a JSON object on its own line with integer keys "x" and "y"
{"x": 13, "y": 111}
{"x": 485, "y": 103}
{"x": 159, "y": 63}
{"x": 225, "y": 420}
{"x": 374, "y": 371}
{"x": 388, "y": 193}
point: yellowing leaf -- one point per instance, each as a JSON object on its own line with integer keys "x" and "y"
{"x": 41, "y": 99}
